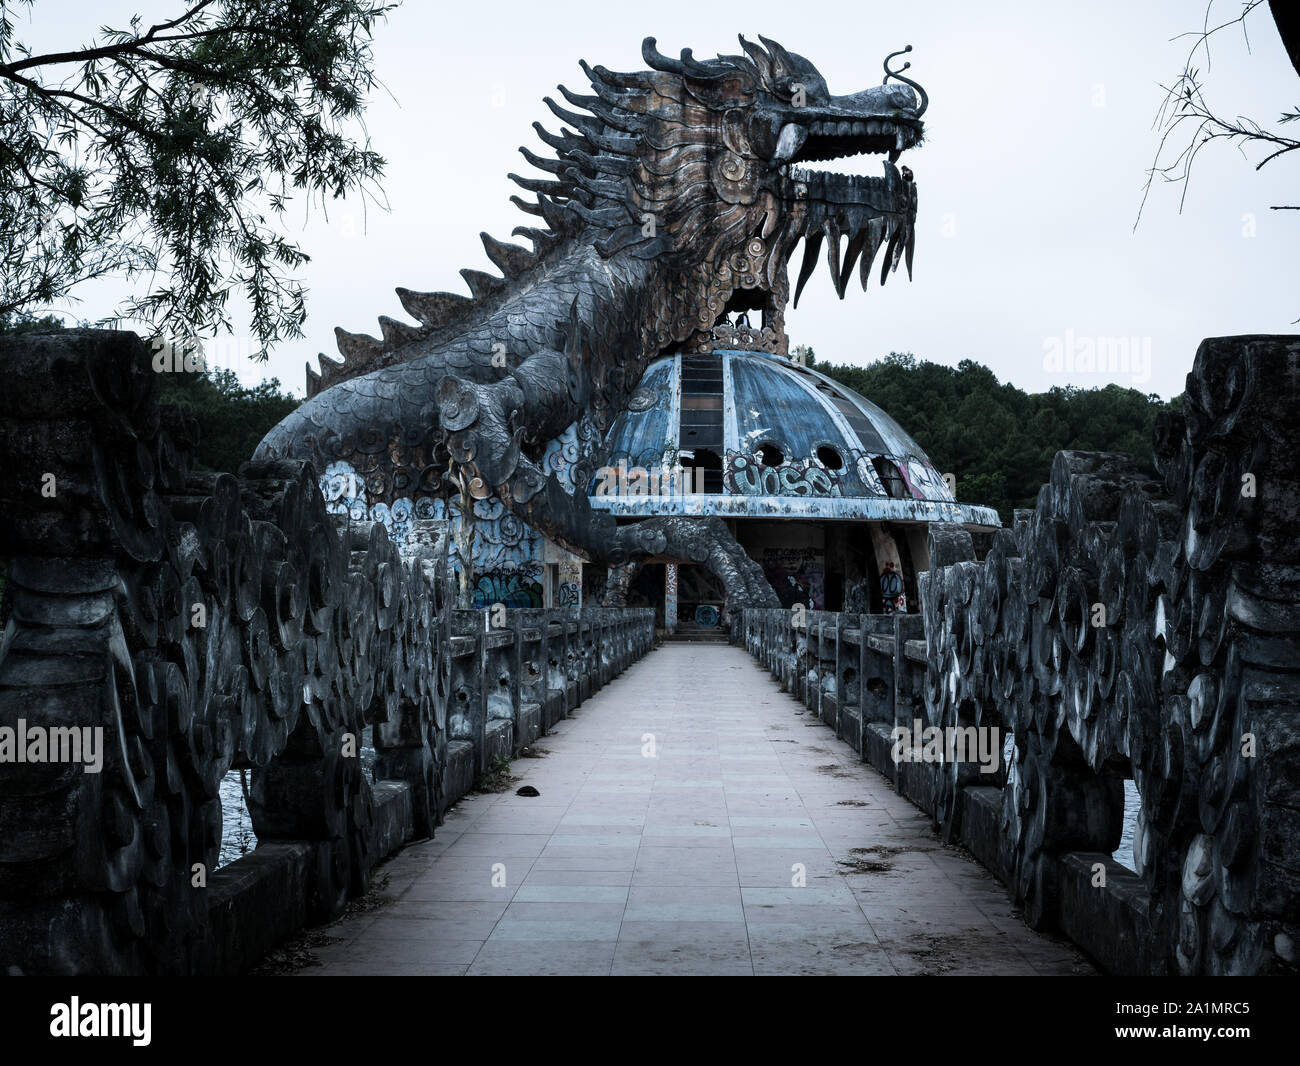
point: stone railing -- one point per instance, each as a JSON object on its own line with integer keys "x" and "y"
{"x": 162, "y": 627}
{"x": 1127, "y": 627}
{"x": 515, "y": 675}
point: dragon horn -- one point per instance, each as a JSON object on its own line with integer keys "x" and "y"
{"x": 688, "y": 66}
{"x": 759, "y": 57}
{"x": 781, "y": 57}
{"x": 898, "y": 76}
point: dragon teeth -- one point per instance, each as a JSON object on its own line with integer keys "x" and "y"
{"x": 872, "y": 127}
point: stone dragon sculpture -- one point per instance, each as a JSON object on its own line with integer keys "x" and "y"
{"x": 674, "y": 196}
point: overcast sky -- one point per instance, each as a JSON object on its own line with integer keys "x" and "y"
{"x": 1038, "y": 138}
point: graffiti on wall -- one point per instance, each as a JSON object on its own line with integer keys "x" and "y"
{"x": 670, "y": 595}
{"x": 520, "y": 588}
{"x": 868, "y": 475}
{"x": 797, "y": 575}
{"x": 569, "y": 591}
{"x": 892, "y": 597}
{"x": 503, "y": 543}
{"x": 707, "y": 615}
{"x": 858, "y": 597}
{"x": 923, "y": 481}
{"x": 745, "y": 475}
{"x": 570, "y": 456}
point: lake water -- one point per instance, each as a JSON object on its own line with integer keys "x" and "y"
{"x": 1124, "y": 853}
{"x": 237, "y": 838}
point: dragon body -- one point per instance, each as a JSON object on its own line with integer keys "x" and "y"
{"x": 673, "y": 196}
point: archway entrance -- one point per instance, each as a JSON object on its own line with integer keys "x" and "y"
{"x": 701, "y": 599}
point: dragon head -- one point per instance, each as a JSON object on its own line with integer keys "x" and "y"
{"x": 702, "y": 166}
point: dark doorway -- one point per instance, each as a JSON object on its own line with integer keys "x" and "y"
{"x": 647, "y": 590}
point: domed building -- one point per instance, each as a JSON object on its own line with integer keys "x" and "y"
{"x": 819, "y": 485}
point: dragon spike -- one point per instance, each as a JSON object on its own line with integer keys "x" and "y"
{"x": 331, "y": 370}
{"x": 618, "y": 143}
{"x": 599, "y": 188}
{"x": 357, "y": 347}
{"x": 564, "y": 142}
{"x": 543, "y": 240}
{"x": 434, "y": 309}
{"x": 612, "y": 78}
{"x": 605, "y": 164}
{"x": 577, "y": 99}
{"x": 483, "y": 286}
{"x": 559, "y": 216}
{"x": 612, "y": 115}
{"x": 611, "y": 97}
{"x": 551, "y": 166}
{"x": 313, "y": 380}
{"x": 616, "y": 118}
{"x": 398, "y": 333}
{"x": 781, "y": 58}
{"x": 911, "y": 250}
{"x": 525, "y": 206}
{"x": 687, "y": 66}
{"x": 540, "y": 185}
{"x": 510, "y": 259}
{"x": 605, "y": 217}
{"x": 553, "y": 213}
{"x": 585, "y": 124}
{"x": 759, "y": 57}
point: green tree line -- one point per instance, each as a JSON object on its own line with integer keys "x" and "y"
{"x": 998, "y": 440}
{"x": 232, "y": 419}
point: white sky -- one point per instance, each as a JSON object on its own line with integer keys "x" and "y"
{"x": 1039, "y": 134}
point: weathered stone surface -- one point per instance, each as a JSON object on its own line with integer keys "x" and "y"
{"x": 1127, "y": 627}
{"x": 203, "y": 622}
{"x": 673, "y": 199}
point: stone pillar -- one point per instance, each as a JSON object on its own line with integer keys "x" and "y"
{"x": 670, "y": 597}
{"x": 570, "y": 581}
{"x": 888, "y": 561}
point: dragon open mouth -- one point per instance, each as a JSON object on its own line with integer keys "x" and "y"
{"x": 854, "y": 216}
{"x": 828, "y": 139}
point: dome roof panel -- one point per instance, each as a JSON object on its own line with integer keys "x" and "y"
{"x": 789, "y": 441}
{"x": 641, "y": 434}
{"x": 775, "y": 406}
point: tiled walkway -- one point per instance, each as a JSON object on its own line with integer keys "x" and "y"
{"x": 688, "y": 862}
